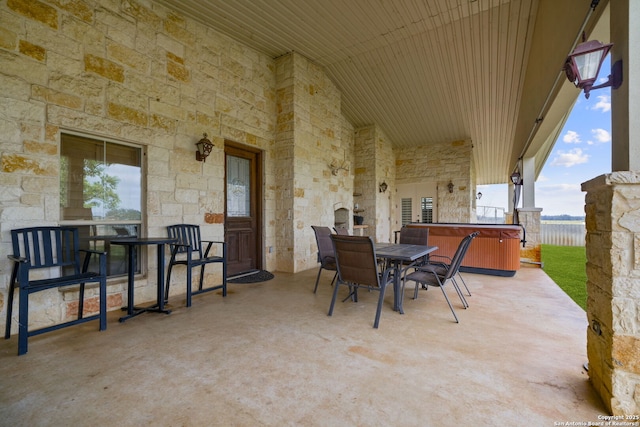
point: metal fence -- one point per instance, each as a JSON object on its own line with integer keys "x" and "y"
{"x": 563, "y": 233}
{"x": 557, "y": 232}
{"x": 490, "y": 215}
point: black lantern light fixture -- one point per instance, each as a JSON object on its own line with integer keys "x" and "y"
{"x": 383, "y": 187}
{"x": 583, "y": 65}
{"x": 204, "y": 147}
{"x": 450, "y": 187}
{"x": 516, "y": 179}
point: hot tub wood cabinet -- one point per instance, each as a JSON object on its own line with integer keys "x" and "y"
{"x": 495, "y": 251}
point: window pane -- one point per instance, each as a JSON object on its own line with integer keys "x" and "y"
{"x": 99, "y": 180}
{"x": 101, "y": 192}
{"x": 238, "y": 187}
{"x": 98, "y": 237}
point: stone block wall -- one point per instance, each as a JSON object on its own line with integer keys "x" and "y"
{"x": 309, "y": 138}
{"x": 613, "y": 289}
{"x": 137, "y": 73}
{"x": 365, "y": 176}
{"x": 442, "y": 163}
{"x": 375, "y": 163}
{"x": 385, "y": 162}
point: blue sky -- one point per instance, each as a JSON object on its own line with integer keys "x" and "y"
{"x": 581, "y": 153}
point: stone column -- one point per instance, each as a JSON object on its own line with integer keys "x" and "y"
{"x": 284, "y": 154}
{"x": 529, "y": 215}
{"x": 613, "y": 288}
{"x": 613, "y": 234}
{"x": 530, "y": 219}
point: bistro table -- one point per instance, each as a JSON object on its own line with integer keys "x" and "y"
{"x": 396, "y": 254}
{"x": 131, "y": 243}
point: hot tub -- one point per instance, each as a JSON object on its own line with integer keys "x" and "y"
{"x": 495, "y": 251}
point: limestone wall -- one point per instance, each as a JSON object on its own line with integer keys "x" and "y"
{"x": 442, "y": 163}
{"x": 375, "y": 163}
{"x": 311, "y": 135}
{"x": 137, "y": 73}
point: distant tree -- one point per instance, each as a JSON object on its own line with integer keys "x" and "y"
{"x": 124, "y": 214}
{"x": 100, "y": 192}
{"x": 563, "y": 217}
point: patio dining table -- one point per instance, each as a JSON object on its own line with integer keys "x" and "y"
{"x": 131, "y": 243}
{"x": 397, "y": 254}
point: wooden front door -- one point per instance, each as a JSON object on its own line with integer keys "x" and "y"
{"x": 243, "y": 209}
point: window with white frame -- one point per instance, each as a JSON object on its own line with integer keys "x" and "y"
{"x": 101, "y": 193}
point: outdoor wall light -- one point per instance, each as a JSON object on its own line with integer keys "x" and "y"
{"x": 383, "y": 187}
{"x": 583, "y": 65}
{"x": 516, "y": 179}
{"x": 204, "y": 147}
{"x": 479, "y": 195}
{"x": 450, "y": 187}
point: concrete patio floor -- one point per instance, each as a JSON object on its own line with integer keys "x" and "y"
{"x": 268, "y": 354}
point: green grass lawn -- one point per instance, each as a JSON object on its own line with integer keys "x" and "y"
{"x": 566, "y": 266}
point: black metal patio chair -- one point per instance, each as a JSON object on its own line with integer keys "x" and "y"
{"x": 188, "y": 251}
{"x": 56, "y": 251}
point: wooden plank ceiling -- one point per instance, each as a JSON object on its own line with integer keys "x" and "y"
{"x": 426, "y": 71}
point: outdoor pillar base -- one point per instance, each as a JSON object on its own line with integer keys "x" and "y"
{"x": 530, "y": 219}
{"x": 613, "y": 289}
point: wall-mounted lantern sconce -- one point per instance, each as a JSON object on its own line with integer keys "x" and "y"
{"x": 450, "y": 187}
{"x": 383, "y": 187}
{"x": 479, "y": 195}
{"x": 516, "y": 179}
{"x": 583, "y": 65}
{"x": 204, "y": 147}
{"x": 335, "y": 167}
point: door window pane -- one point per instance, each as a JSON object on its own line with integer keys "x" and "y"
{"x": 238, "y": 187}
{"x": 426, "y": 205}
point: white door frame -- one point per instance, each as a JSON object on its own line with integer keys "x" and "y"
{"x": 415, "y": 191}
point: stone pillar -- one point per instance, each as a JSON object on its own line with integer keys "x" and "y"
{"x": 308, "y": 141}
{"x": 284, "y": 153}
{"x": 529, "y": 215}
{"x": 375, "y": 163}
{"x": 530, "y": 219}
{"x": 613, "y": 289}
{"x": 613, "y": 234}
